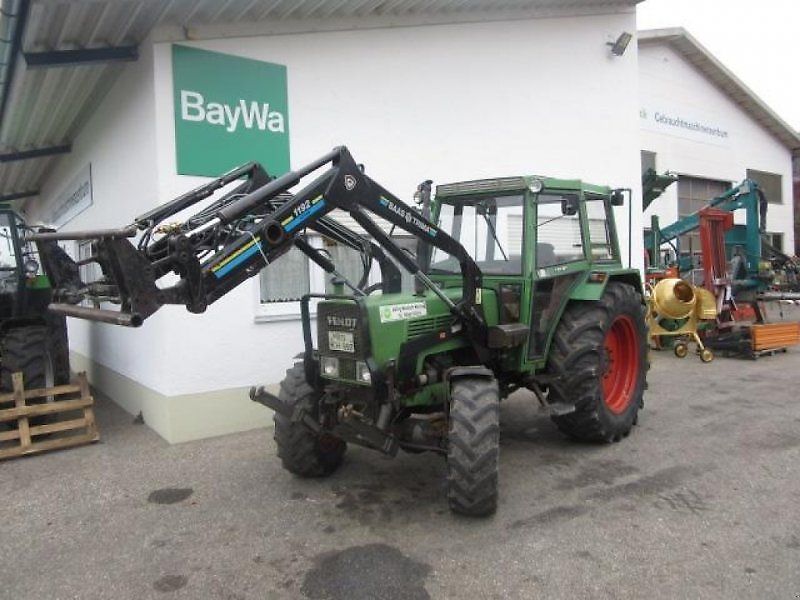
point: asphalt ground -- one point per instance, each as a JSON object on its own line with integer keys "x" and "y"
{"x": 701, "y": 501}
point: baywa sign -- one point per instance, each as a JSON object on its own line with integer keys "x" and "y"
{"x": 228, "y": 111}
{"x": 247, "y": 114}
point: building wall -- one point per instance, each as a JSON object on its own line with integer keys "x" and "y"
{"x": 670, "y": 86}
{"x": 119, "y": 142}
{"x": 446, "y": 102}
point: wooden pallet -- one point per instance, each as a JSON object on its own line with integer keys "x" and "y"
{"x": 79, "y": 431}
{"x": 775, "y": 336}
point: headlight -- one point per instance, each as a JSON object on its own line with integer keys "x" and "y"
{"x": 330, "y": 366}
{"x": 31, "y": 267}
{"x": 536, "y": 186}
{"x": 362, "y": 372}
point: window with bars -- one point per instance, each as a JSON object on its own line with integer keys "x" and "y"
{"x": 287, "y": 279}
{"x": 347, "y": 261}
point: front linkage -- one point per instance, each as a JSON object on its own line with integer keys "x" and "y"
{"x": 247, "y": 229}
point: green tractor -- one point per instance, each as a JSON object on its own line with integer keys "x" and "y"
{"x": 32, "y": 340}
{"x": 519, "y": 285}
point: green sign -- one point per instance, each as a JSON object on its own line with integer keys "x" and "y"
{"x": 228, "y": 111}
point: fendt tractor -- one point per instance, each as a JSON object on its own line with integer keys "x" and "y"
{"x": 518, "y": 284}
{"x": 32, "y": 340}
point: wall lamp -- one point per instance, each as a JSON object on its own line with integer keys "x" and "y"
{"x": 621, "y": 44}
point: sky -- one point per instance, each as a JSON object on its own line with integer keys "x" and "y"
{"x": 758, "y": 41}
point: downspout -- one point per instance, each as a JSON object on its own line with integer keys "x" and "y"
{"x": 13, "y": 16}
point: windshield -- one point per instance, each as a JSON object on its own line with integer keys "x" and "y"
{"x": 8, "y": 258}
{"x": 490, "y": 228}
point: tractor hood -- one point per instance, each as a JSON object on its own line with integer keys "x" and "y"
{"x": 375, "y": 327}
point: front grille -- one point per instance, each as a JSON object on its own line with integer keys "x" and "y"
{"x": 342, "y": 317}
{"x": 425, "y": 325}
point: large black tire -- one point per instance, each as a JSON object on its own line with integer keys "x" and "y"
{"x": 599, "y": 362}
{"x": 473, "y": 446}
{"x": 59, "y": 348}
{"x": 301, "y": 451}
{"x": 30, "y": 350}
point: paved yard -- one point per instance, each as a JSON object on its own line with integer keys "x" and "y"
{"x": 702, "y": 501}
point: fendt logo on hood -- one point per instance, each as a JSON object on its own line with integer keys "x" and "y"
{"x": 346, "y": 322}
{"x": 246, "y": 114}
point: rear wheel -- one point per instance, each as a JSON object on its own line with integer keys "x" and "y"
{"x": 302, "y": 451}
{"x": 599, "y": 360}
{"x": 59, "y": 348}
{"x": 473, "y": 446}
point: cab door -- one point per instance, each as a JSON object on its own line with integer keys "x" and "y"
{"x": 560, "y": 263}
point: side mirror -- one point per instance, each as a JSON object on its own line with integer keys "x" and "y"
{"x": 617, "y": 198}
{"x": 569, "y": 206}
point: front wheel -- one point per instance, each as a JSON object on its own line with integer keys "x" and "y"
{"x": 473, "y": 446}
{"x": 302, "y": 451}
{"x": 599, "y": 362}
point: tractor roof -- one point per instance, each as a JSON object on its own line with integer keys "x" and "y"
{"x": 501, "y": 185}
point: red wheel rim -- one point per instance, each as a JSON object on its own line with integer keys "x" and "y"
{"x": 622, "y": 370}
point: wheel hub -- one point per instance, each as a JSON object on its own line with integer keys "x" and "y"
{"x": 622, "y": 364}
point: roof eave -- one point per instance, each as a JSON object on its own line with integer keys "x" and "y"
{"x": 699, "y": 56}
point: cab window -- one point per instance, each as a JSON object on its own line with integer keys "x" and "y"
{"x": 597, "y": 211}
{"x": 558, "y": 235}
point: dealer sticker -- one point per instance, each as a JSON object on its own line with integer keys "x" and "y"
{"x": 341, "y": 341}
{"x": 401, "y": 312}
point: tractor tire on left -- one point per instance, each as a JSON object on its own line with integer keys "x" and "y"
{"x": 31, "y": 351}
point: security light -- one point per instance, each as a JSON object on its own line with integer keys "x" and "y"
{"x": 618, "y": 48}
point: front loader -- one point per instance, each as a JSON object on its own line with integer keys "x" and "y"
{"x": 519, "y": 284}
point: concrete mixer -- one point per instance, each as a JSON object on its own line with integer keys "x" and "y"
{"x": 676, "y": 308}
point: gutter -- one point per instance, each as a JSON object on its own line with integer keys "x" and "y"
{"x": 13, "y": 16}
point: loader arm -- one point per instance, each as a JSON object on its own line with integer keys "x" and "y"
{"x": 231, "y": 240}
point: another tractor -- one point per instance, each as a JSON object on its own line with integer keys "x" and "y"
{"x": 519, "y": 286}
{"x": 32, "y": 340}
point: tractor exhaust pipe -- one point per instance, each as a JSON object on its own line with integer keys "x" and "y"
{"x": 97, "y": 314}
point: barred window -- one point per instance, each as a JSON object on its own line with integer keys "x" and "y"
{"x": 285, "y": 280}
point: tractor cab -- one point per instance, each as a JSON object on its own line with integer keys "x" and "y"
{"x": 538, "y": 241}
{"x": 24, "y": 290}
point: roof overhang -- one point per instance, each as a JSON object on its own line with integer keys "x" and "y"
{"x": 682, "y": 42}
{"x": 58, "y": 58}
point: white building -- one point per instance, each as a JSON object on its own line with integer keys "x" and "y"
{"x": 415, "y": 89}
{"x": 700, "y": 122}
